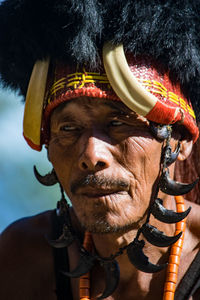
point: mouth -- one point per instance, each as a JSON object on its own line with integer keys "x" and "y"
{"x": 100, "y": 193}
{"x": 92, "y": 185}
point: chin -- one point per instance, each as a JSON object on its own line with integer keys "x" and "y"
{"x": 103, "y": 224}
{"x": 108, "y": 215}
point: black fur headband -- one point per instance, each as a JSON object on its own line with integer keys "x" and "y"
{"x": 75, "y": 30}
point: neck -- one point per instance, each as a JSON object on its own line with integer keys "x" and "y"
{"x": 144, "y": 283}
{"x": 115, "y": 241}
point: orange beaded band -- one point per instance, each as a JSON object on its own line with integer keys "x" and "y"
{"x": 84, "y": 283}
{"x": 175, "y": 254}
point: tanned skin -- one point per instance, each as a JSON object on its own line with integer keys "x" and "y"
{"x": 113, "y": 148}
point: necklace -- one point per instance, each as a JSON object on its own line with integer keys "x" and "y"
{"x": 172, "y": 268}
{"x": 175, "y": 254}
{"x": 84, "y": 282}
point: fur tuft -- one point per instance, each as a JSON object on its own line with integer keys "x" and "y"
{"x": 75, "y": 30}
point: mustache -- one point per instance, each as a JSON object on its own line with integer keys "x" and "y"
{"x": 98, "y": 181}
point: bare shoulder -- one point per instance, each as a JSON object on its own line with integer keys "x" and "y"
{"x": 24, "y": 232}
{"x": 26, "y": 257}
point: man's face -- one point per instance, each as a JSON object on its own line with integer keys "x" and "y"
{"x": 106, "y": 160}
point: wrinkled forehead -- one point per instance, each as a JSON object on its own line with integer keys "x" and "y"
{"x": 84, "y": 107}
{"x": 88, "y": 103}
{"x": 86, "y": 110}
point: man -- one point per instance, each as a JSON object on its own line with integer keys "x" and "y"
{"x": 112, "y": 136}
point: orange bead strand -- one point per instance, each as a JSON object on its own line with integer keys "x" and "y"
{"x": 84, "y": 282}
{"x": 175, "y": 254}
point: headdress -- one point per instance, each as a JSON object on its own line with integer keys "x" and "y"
{"x": 76, "y": 32}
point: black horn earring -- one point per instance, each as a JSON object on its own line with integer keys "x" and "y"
{"x": 65, "y": 240}
{"x": 166, "y": 184}
{"x": 174, "y": 188}
{"x": 166, "y": 215}
{"x": 48, "y": 179}
{"x": 67, "y": 237}
{"x": 157, "y": 237}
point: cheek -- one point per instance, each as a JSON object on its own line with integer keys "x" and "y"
{"x": 141, "y": 157}
{"x": 141, "y": 152}
{"x": 62, "y": 162}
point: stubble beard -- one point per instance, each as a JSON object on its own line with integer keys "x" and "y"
{"x": 102, "y": 226}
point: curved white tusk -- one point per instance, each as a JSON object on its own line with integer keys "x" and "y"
{"x": 125, "y": 85}
{"x": 34, "y": 103}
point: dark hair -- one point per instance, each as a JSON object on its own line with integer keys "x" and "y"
{"x": 75, "y": 30}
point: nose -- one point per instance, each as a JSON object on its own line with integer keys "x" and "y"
{"x": 96, "y": 155}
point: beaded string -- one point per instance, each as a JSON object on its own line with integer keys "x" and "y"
{"x": 84, "y": 283}
{"x": 175, "y": 254}
{"x": 172, "y": 268}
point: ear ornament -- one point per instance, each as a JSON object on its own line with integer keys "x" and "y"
{"x": 157, "y": 237}
{"x": 165, "y": 215}
{"x": 65, "y": 240}
{"x": 175, "y": 188}
{"x": 48, "y": 179}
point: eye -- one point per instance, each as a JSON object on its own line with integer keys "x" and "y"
{"x": 116, "y": 123}
{"x": 68, "y": 128}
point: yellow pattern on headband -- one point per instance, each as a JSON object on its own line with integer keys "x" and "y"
{"x": 77, "y": 80}
{"x": 58, "y": 85}
{"x": 157, "y": 88}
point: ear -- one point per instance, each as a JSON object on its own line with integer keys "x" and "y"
{"x": 185, "y": 150}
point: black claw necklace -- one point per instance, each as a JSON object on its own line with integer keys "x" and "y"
{"x": 109, "y": 264}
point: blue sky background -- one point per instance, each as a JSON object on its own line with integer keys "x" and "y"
{"x": 20, "y": 193}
